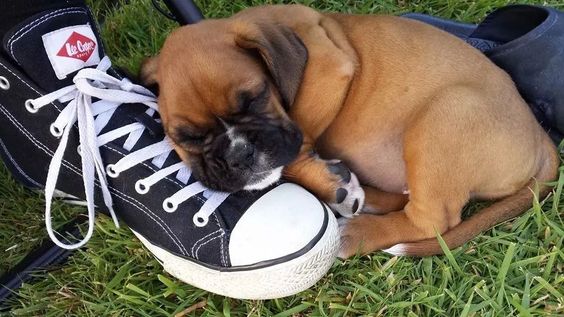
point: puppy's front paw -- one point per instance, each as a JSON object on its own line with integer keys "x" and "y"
{"x": 349, "y": 195}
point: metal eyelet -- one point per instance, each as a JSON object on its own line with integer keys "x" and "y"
{"x": 199, "y": 221}
{"x": 4, "y": 83}
{"x": 56, "y": 131}
{"x": 79, "y": 150}
{"x": 111, "y": 172}
{"x": 169, "y": 206}
{"x": 30, "y": 107}
{"x": 141, "y": 188}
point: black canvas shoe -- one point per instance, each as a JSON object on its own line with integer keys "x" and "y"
{"x": 72, "y": 126}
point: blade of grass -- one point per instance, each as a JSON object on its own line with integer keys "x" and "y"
{"x": 448, "y": 253}
{"x": 503, "y": 272}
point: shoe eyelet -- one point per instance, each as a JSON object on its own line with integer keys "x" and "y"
{"x": 4, "y": 83}
{"x": 199, "y": 221}
{"x": 169, "y": 206}
{"x": 141, "y": 188}
{"x": 79, "y": 150}
{"x": 30, "y": 107}
{"x": 111, "y": 171}
{"x": 56, "y": 131}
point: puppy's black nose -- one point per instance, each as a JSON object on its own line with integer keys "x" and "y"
{"x": 241, "y": 155}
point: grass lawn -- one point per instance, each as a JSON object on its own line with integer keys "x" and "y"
{"x": 515, "y": 269}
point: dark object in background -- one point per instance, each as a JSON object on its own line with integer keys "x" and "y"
{"x": 45, "y": 256}
{"x": 183, "y": 11}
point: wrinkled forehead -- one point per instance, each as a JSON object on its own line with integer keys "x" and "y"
{"x": 202, "y": 80}
{"x": 203, "y": 71}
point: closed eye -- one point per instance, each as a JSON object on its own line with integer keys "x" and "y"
{"x": 251, "y": 102}
{"x": 185, "y": 136}
{"x": 194, "y": 140}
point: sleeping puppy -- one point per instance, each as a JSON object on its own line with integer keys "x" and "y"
{"x": 424, "y": 122}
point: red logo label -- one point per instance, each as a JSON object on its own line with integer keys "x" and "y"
{"x": 78, "y": 46}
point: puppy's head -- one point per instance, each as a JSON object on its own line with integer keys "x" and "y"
{"x": 224, "y": 89}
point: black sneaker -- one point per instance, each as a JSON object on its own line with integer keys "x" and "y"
{"x": 72, "y": 126}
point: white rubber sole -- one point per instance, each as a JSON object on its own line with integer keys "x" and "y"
{"x": 279, "y": 280}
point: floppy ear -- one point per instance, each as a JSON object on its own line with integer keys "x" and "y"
{"x": 283, "y": 52}
{"x": 148, "y": 72}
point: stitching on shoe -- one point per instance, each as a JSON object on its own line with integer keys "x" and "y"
{"x": 132, "y": 201}
{"x": 25, "y": 83}
{"x": 40, "y": 18}
{"x": 39, "y": 21}
{"x": 222, "y": 250}
{"x": 204, "y": 243}
{"x": 33, "y": 140}
{"x": 17, "y": 166}
{"x": 202, "y": 240}
{"x": 216, "y": 220}
{"x": 198, "y": 250}
{"x": 121, "y": 195}
{"x": 36, "y": 25}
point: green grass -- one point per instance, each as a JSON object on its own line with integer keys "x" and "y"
{"x": 21, "y": 220}
{"x": 515, "y": 269}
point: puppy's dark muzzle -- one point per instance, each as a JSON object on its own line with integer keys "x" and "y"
{"x": 241, "y": 156}
{"x": 230, "y": 165}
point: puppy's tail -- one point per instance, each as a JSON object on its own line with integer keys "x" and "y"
{"x": 505, "y": 209}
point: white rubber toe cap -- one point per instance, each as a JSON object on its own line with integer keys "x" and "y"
{"x": 282, "y": 222}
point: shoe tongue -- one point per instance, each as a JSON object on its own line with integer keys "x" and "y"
{"x": 53, "y": 45}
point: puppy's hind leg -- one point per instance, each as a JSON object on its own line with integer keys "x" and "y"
{"x": 439, "y": 187}
{"x": 422, "y": 218}
{"x": 378, "y": 202}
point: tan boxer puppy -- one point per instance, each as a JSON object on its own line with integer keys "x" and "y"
{"x": 424, "y": 121}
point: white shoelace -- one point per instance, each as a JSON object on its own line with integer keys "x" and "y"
{"x": 92, "y": 117}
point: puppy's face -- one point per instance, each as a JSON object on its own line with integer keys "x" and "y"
{"x": 224, "y": 88}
